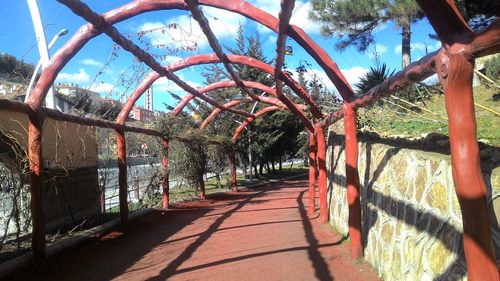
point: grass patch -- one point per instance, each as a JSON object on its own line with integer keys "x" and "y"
{"x": 388, "y": 120}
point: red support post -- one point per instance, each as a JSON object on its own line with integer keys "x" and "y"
{"x": 122, "y": 175}
{"x": 312, "y": 174}
{"x": 352, "y": 176}
{"x": 35, "y": 126}
{"x": 165, "y": 182}
{"x": 320, "y": 140}
{"x": 456, "y": 72}
{"x": 233, "y": 171}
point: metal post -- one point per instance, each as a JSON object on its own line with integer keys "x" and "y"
{"x": 35, "y": 75}
{"x": 320, "y": 141}
{"x": 102, "y": 194}
{"x": 165, "y": 182}
{"x": 136, "y": 185}
{"x": 352, "y": 178}
{"x": 35, "y": 126}
{"x": 122, "y": 175}
{"x": 233, "y": 170}
{"x": 312, "y": 174}
{"x": 42, "y": 46}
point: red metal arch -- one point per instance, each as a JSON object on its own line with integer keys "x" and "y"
{"x": 249, "y": 120}
{"x": 216, "y": 111}
{"x": 198, "y": 60}
{"x": 226, "y": 84}
{"x": 87, "y": 32}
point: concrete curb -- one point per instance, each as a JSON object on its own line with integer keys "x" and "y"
{"x": 52, "y": 249}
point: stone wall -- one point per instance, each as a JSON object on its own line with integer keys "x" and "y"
{"x": 411, "y": 226}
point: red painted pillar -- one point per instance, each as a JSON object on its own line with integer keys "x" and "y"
{"x": 456, "y": 70}
{"x": 320, "y": 136}
{"x": 352, "y": 176}
{"x": 165, "y": 182}
{"x": 202, "y": 188}
{"x": 233, "y": 170}
{"x": 312, "y": 174}
{"x": 36, "y": 120}
{"x": 122, "y": 175}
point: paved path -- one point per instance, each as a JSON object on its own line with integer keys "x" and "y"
{"x": 259, "y": 234}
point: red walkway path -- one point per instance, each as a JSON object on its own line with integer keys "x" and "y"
{"x": 260, "y": 234}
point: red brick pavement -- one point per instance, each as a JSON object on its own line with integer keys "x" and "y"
{"x": 255, "y": 234}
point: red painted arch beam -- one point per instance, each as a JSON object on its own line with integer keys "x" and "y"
{"x": 84, "y": 34}
{"x": 446, "y": 20}
{"x": 100, "y": 23}
{"x": 198, "y": 15}
{"x": 249, "y": 120}
{"x": 312, "y": 48}
{"x": 206, "y": 59}
{"x": 283, "y": 25}
{"x": 216, "y": 111}
{"x": 225, "y": 84}
{"x": 87, "y": 32}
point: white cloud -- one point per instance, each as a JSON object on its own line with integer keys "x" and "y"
{"x": 351, "y": 74}
{"x": 92, "y": 62}
{"x": 379, "y": 48}
{"x": 272, "y": 39}
{"x": 186, "y": 33}
{"x": 299, "y": 18}
{"x": 81, "y": 77}
{"x": 419, "y": 47}
{"x": 102, "y": 88}
{"x": 163, "y": 84}
{"x": 354, "y": 74}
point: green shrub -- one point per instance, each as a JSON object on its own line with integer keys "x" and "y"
{"x": 492, "y": 68}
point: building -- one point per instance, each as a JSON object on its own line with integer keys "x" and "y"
{"x": 72, "y": 89}
{"x": 17, "y": 91}
{"x": 142, "y": 114}
{"x": 8, "y": 88}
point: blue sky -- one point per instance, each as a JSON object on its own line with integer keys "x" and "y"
{"x": 96, "y": 68}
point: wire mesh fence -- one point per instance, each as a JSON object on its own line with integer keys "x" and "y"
{"x": 80, "y": 179}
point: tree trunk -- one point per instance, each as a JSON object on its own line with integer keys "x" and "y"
{"x": 261, "y": 167}
{"x": 272, "y": 164}
{"x": 267, "y": 167}
{"x": 202, "y": 187}
{"x": 281, "y": 164}
{"x": 406, "y": 45}
{"x": 255, "y": 170}
{"x": 217, "y": 177}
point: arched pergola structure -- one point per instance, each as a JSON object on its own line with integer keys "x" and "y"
{"x": 453, "y": 63}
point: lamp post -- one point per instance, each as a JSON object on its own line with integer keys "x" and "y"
{"x": 43, "y": 49}
{"x": 250, "y": 141}
{"x": 35, "y": 76}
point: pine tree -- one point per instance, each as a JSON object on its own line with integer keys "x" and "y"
{"x": 354, "y": 21}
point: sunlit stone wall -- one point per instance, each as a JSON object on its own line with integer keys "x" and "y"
{"x": 411, "y": 224}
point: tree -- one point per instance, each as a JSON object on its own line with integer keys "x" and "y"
{"x": 354, "y": 21}
{"x": 372, "y": 78}
{"x": 479, "y": 13}
{"x": 14, "y": 70}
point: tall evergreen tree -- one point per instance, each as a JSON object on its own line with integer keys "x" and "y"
{"x": 354, "y": 21}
